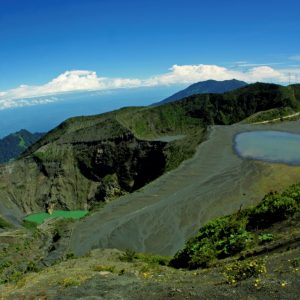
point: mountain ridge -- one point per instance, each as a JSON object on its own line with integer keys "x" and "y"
{"x": 12, "y": 145}
{"x": 204, "y": 87}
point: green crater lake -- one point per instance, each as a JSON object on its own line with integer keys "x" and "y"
{"x": 271, "y": 146}
{"x": 40, "y": 218}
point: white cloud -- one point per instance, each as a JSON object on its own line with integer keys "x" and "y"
{"x": 82, "y": 80}
{"x": 193, "y": 73}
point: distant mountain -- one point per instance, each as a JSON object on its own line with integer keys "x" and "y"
{"x": 205, "y": 87}
{"x": 14, "y": 144}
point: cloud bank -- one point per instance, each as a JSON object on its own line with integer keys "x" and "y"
{"x": 82, "y": 80}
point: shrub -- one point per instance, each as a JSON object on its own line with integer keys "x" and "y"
{"x": 203, "y": 256}
{"x": 241, "y": 270}
{"x": 273, "y": 208}
{"x": 293, "y": 192}
{"x": 229, "y": 235}
{"x": 70, "y": 255}
{"x": 220, "y": 238}
{"x": 32, "y": 267}
{"x": 295, "y": 262}
{"x": 128, "y": 256}
{"x": 265, "y": 238}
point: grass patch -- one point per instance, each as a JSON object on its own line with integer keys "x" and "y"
{"x": 153, "y": 259}
{"x": 102, "y": 268}
{"x": 73, "y": 281}
{"x": 271, "y": 114}
{"x": 150, "y": 259}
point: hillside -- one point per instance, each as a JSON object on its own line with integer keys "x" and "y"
{"x": 14, "y": 144}
{"x": 205, "y": 87}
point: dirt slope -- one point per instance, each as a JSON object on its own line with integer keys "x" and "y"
{"x": 160, "y": 217}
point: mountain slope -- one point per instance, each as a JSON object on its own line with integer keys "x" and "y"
{"x": 14, "y": 144}
{"x": 87, "y": 160}
{"x": 205, "y": 87}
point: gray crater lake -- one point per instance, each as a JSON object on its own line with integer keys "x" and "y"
{"x": 271, "y": 146}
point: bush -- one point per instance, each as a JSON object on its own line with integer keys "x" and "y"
{"x": 128, "y": 256}
{"x": 265, "y": 238}
{"x": 293, "y": 192}
{"x": 273, "y": 208}
{"x": 32, "y": 267}
{"x": 242, "y": 270}
{"x": 70, "y": 255}
{"x": 220, "y": 238}
{"x": 229, "y": 235}
{"x": 202, "y": 257}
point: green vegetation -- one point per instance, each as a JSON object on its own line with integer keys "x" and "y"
{"x": 40, "y": 218}
{"x": 71, "y": 281}
{"x": 230, "y": 235}
{"x": 149, "y": 259}
{"x": 128, "y": 256}
{"x": 241, "y": 270}
{"x": 153, "y": 260}
{"x": 30, "y": 225}
{"x": 265, "y": 238}
{"x": 271, "y": 114}
{"x": 295, "y": 88}
{"x": 101, "y": 268}
{"x": 20, "y": 256}
{"x": 22, "y": 142}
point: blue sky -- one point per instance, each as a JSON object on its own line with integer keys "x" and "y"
{"x": 143, "y": 43}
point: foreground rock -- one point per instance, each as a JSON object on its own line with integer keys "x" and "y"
{"x": 142, "y": 278}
